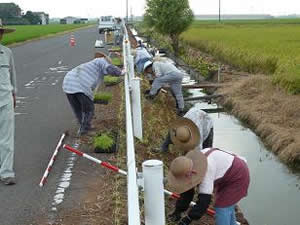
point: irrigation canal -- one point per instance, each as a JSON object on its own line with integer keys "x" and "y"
{"x": 274, "y": 193}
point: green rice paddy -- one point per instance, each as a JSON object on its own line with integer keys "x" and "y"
{"x": 258, "y": 46}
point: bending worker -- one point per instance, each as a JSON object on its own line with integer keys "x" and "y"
{"x": 79, "y": 84}
{"x": 195, "y": 129}
{"x": 141, "y": 56}
{"x": 208, "y": 170}
{"x": 165, "y": 73}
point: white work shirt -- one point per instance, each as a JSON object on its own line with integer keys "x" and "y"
{"x": 141, "y": 53}
{"x": 218, "y": 162}
{"x": 161, "y": 68}
{"x": 202, "y": 121}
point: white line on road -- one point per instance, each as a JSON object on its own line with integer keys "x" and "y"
{"x": 65, "y": 180}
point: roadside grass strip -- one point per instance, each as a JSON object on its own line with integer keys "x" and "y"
{"x": 28, "y": 32}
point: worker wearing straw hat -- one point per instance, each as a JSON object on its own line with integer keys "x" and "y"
{"x": 208, "y": 170}
{"x": 8, "y": 89}
{"x": 194, "y": 129}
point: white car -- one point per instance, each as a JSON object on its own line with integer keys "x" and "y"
{"x": 106, "y": 23}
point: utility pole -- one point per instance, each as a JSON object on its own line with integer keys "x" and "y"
{"x": 126, "y": 11}
{"x": 219, "y": 11}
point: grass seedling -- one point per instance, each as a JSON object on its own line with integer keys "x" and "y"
{"x": 116, "y": 61}
{"x": 103, "y": 96}
{"x": 103, "y": 141}
{"x": 109, "y": 80}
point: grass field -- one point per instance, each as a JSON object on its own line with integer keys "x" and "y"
{"x": 257, "y": 46}
{"x": 27, "y": 32}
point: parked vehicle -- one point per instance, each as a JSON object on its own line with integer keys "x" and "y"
{"x": 106, "y": 23}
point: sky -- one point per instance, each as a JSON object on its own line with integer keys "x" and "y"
{"x": 97, "y": 8}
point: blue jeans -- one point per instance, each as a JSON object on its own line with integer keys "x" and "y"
{"x": 225, "y": 216}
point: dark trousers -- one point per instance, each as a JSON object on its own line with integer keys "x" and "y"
{"x": 83, "y": 108}
{"x": 208, "y": 142}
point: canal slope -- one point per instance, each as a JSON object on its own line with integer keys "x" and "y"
{"x": 273, "y": 114}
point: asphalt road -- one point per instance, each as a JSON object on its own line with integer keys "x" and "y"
{"x": 42, "y": 115}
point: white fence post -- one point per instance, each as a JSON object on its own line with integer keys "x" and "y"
{"x": 131, "y": 66}
{"x": 154, "y": 192}
{"x": 136, "y": 108}
{"x": 105, "y": 37}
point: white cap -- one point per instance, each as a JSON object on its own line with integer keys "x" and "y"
{"x": 147, "y": 64}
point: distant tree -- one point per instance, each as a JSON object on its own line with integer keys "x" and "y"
{"x": 32, "y": 18}
{"x": 169, "y": 17}
{"x": 9, "y": 11}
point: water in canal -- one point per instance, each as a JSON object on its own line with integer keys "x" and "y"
{"x": 274, "y": 194}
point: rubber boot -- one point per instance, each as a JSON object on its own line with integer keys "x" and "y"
{"x": 85, "y": 123}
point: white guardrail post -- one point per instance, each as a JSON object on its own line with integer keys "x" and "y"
{"x": 154, "y": 200}
{"x": 136, "y": 108}
{"x": 131, "y": 66}
{"x": 105, "y": 37}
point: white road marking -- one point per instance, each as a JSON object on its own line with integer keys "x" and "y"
{"x": 65, "y": 180}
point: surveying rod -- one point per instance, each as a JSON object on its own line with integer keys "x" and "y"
{"x": 210, "y": 212}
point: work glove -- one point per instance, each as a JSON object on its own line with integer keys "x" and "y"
{"x": 185, "y": 221}
{"x": 147, "y": 92}
{"x": 123, "y": 72}
{"x": 180, "y": 112}
{"x": 149, "y": 96}
{"x": 174, "y": 217}
{"x": 151, "y": 81}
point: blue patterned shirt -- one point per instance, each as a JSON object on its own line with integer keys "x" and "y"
{"x": 85, "y": 77}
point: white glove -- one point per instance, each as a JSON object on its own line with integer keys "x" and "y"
{"x": 123, "y": 72}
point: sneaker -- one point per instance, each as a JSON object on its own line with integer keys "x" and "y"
{"x": 9, "y": 180}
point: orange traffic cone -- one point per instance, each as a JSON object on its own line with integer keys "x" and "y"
{"x": 72, "y": 41}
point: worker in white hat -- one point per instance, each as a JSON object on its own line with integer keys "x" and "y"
{"x": 195, "y": 129}
{"x": 165, "y": 73}
{"x": 141, "y": 56}
{"x": 8, "y": 90}
{"x": 208, "y": 170}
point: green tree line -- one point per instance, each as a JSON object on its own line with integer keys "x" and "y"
{"x": 11, "y": 14}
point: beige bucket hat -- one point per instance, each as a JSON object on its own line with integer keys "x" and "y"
{"x": 6, "y": 30}
{"x": 187, "y": 171}
{"x": 184, "y": 133}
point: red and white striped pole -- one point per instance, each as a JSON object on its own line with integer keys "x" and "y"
{"x": 116, "y": 169}
{"x": 49, "y": 167}
{"x": 104, "y": 164}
